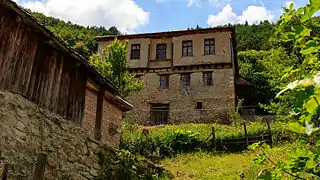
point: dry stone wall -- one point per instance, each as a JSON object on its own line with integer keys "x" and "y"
{"x": 27, "y": 130}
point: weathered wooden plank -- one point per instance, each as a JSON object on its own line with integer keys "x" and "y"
{"x": 99, "y": 114}
{"x": 33, "y": 81}
{"x": 8, "y": 45}
{"x": 40, "y": 167}
{"x": 56, "y": 86}
{"x": 27, "y": 64}
{"x": 40, "y": 72}
{"x": 82, "y": 96}
{"x": 64, "y": 89}
{"x": 51, "y": 66}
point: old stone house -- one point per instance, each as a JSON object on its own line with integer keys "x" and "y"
{"x": 52, "y": 102}
{"x": 189, "y": 76}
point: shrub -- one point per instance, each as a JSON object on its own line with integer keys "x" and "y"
{"x": 122, "y": 164}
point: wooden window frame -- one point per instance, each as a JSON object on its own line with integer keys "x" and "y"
{"x": 135, "y": 51}
{"x": 161, "y": 51}
{"x": 187, "y": 48}
{"x": 207, "y": 78}
{"x": 209, "y": 46}
{"x": 164, "y": 81}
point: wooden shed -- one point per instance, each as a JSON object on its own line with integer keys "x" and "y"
{"x": 42, "y": 68}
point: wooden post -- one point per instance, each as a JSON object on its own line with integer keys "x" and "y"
{"x": 245, "y": 133}
{"x": 99, "y": 114}
{"x": 40, "y": 167}
{"x": 269, "y": 133}
{"x": 4, "y": 174}
{"x": 214, "y": 138}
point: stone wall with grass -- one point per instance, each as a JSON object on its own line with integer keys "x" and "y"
{"x": 27, "y": 131}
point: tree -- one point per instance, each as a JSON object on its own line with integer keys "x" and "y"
{"x": 295, "y": 35}
{"x": 113, "y": 65}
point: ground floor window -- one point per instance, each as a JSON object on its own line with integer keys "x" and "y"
{"x": 159, "y": 114}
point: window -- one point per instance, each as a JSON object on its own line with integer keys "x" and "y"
{"x": 164, "y": 81}
{"x": 209, "y": 46}
{"x": 199, "y": 105}
{"x": 159, "y": 114}
{"x": 135, "y": 51}
{"x": 185, "y": 81}
{"x": 207, "y": 78}
{"x": 161, "y": 51}
{"x": 186, "y": 48}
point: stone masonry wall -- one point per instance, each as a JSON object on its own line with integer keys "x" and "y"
{"x": 217, "y": 99}
{"x": 27, "y": 130}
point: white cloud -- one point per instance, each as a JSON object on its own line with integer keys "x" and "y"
{"x": 193, "y": 3}
{"x": 126, "y": 15}
{"x": 199, "y": 3}
{"x": 253, "y": 14}
{"x": 288, "y": 3}
{"x": 219, "y": 3}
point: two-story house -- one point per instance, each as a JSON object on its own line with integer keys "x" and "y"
{"x": 189, "y": 76}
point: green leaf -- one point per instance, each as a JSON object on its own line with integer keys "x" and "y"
{"x": 300, "y": 10}
{"x": 311, "y": 106}
{"x": 306, "y": 32}
{"x": 289, "y": 36}
{"x": 310, "y": 50}
{"x": 296, "y": 127}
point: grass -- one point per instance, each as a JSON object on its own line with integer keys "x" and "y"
{"x": 204, "y": 130}
{"x": 203, "y": 165}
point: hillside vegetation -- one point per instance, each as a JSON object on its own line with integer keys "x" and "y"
{"x": 81, "y": 38}
{"x": 78, "y": 37}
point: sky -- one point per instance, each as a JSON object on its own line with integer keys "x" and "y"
{"x": 142, "y": 16}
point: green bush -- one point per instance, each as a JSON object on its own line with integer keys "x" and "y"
{"x": 122, "y": 164}
{"x": 170, "y": 140}
{"x": 166, "y": 143}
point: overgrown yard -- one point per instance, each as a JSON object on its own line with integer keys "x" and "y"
{"x": 178, "y": 148}
{"x": 229, "y": 166}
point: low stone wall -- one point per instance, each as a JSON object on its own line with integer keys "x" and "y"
{"x": 27, "y": 130}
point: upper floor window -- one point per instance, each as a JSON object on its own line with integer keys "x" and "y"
{"x": 161, "y": 51}
{"x": 185, "y": 80}
{"x": 207, "y": 78}
{"x": 186, "y": 48}
{"x": 135, "y": 51}
{"x": 164, "y": 81}
{"x": 209, "y": 46}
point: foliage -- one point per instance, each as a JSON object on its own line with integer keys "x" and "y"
{"x": 254, "y": 37}
{"x": 76, "y": 36}
{"x": 297, "y": 35}
{"x": 113, "y": 64}
{"x": 121, "y": 164}
{"x": 213, "y": 165}
{"x": 170, "y": 140}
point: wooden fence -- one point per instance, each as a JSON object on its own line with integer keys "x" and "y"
{"x": 240, "y": 142}
{"x": 38, "y": 173}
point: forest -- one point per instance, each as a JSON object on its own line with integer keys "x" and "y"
{"x": 249, "y": 37}
{"x": 78, "y": 37}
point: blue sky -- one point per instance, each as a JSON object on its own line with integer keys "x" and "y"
{"x": 139, "y": 16}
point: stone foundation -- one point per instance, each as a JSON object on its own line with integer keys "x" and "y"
{"x": 27, "y": 130}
